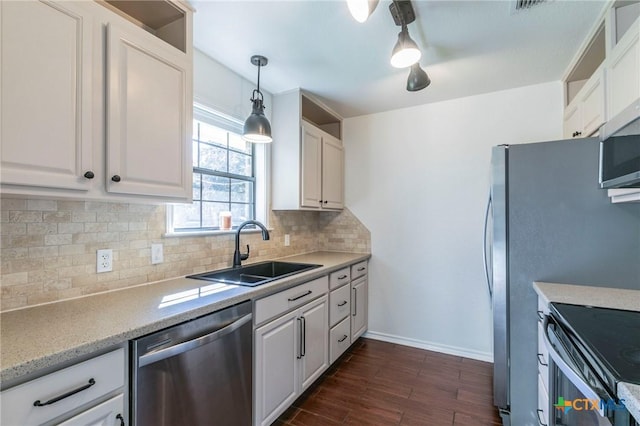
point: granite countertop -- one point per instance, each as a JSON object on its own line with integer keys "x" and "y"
{"x": 37, "y": 339}
{"x": 613, "y": 298}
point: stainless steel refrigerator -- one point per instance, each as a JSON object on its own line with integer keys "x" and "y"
{"x": 548, "y": 221}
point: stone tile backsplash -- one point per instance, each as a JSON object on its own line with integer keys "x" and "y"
{"x": 48, "y": 248}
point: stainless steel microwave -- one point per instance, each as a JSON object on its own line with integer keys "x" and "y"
{"x": 620, "y": 149}
{"x": 620, "y": 162}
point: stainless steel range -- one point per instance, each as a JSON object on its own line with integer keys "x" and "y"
{"x": 592, "y": 350}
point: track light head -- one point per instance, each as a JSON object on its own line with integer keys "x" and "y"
{"x": 406, "y": 52}
{"x": 418, "y": 78}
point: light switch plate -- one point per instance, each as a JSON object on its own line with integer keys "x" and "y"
{"x": 157, "y": 255}
{"x": 287, "y": 240}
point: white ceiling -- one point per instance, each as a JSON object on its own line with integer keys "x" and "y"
{"x": 469, "y": 47}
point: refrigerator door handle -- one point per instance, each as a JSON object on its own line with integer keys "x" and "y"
{"x": 484, "y": 246}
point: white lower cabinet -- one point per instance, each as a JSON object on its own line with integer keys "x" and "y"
{"x": 359, "y": 305}
{"x": 291, "y": 352}
{"x": 339, "y": 339}
{"x": 70, "y": 393}
{"x": 109, "y": 413}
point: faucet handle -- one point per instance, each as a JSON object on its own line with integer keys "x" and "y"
{"x": 245, "y": 256}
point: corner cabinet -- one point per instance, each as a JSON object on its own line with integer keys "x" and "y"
{"x": 96, "y": 99}
{"x": 307, "y": 154}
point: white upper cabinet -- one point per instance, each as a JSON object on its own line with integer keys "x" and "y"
{"x": 307, "y": 154}
{"x": 623, "y": 75}
{"x": 82, "y": 121}
{"x": 148, "y": 104}
{"x": 584, "y": 88}
{"x": 46, "y": 95}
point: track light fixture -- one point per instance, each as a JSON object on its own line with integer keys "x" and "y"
{"x": 256, "y": 127}
{"x": 418, "y": 78}
{"x": 361, "y": 9}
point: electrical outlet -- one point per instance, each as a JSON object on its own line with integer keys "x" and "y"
{"x": 287, "y": 240}
{"x": 156, "y": 254}
{"x": 104, "y": 262}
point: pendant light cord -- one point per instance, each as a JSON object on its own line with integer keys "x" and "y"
{"x": 257, "y": 90}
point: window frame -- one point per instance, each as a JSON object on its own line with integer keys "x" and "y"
{"x": 258, "y": 178}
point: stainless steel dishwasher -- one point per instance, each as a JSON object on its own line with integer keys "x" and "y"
{"x": 197, "y": 373}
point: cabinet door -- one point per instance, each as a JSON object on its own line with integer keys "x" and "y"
{"x": 311, "y": 167}
{"x": 46, "y": 94}
{"x": 359, "y": 305}
{"x": 108, "y": 413}
{"x": 572, "y": 120}
{"x": 276, "y": 376}
{"x": 623, "y": 74}
{"x": 315, "y": 359}
{"x": 148, "y": 115}
{"x": 332, "y": 173}
{"x": 592, "y": 103}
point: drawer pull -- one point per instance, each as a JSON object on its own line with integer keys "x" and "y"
{"x": 541, "y": 361}
{"x": 119, "y": 417}
{"x": 342, "y": 277}
{"x": 343, "y": 339}
{"x": 540, "y": 316}
{"x": 291, "y": 299}
{"x": 66, "y": 395}
{"x": 362, "y": 268}
{"x": 538, "y": 412}
{"x": 344, "y": 302}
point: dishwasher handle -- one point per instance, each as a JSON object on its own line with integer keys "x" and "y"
{"x": 165, "y": 353}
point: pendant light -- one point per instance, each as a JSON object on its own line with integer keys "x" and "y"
{"x": 361, "y": 9}
{"x": 418, "y": 78}
{"x": 256, "y": 127}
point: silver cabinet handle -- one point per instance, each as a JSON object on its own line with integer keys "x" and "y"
{"x": 299, "y": 338}
{"x": 304, "y": 336}
{"x": 355, "y": 302}
{"x": 344, "y": 302}
{"x": 291, "y": 299}
{"x": 152, "y": 357}
{"x": 343, "y": 339}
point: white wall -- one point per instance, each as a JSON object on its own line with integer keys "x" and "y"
{"x": 220, "y": 88}
{"x": 418, "y": 178}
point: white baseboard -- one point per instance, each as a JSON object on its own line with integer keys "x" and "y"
{"x": 436, "y": 347}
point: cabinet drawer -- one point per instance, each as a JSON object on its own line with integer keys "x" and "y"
{"x": 107, "y": 372}
{"x": 281, "y": 302}
{"x": 336, "y": 279}
{"x": 339, "y": 304}
{"x": 359, "y": 269}
{"x": 339, "y": 339}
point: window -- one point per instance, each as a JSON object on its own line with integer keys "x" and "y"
{"x": 224, "y": 175}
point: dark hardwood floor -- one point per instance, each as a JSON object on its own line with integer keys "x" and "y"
{"x": 379, "y": 383}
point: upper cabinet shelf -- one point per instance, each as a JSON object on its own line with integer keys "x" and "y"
{"x": 164, "y": 20}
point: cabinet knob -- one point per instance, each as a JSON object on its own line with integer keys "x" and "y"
{"x": 115, "y": 178}
{"x": 320, "y": 201}
{"x": 325, "y": 201}
{"x": 89, "y": 175}
{"x": 576, "y": 134}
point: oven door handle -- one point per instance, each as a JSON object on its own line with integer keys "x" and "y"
{"x": 565, "y": 364}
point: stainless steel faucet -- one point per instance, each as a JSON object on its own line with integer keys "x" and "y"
{"x": 239, "y": 257}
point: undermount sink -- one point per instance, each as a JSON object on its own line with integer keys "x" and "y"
{"x": 256, "y": 274}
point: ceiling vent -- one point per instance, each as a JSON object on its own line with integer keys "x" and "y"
{"x": 527, "y": 4}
